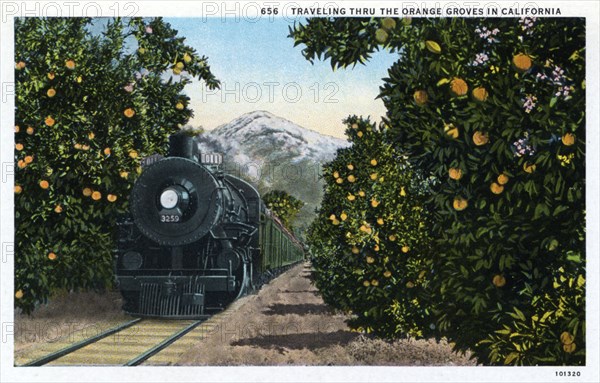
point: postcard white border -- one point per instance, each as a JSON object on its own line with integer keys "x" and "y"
{"x": 590, "y": 373}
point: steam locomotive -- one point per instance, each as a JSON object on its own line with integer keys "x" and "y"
{"x": 196, "y": 238}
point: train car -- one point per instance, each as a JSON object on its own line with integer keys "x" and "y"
{"x": 196, "y": 238}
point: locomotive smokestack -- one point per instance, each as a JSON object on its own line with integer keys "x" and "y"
{"x": 182, "y": 145}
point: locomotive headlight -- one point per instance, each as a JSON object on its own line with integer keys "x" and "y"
{"x": 169, "y": 198}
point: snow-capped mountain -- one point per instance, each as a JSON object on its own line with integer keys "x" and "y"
{"x": 263, "y": 137}
{"x": 274, "y": 153}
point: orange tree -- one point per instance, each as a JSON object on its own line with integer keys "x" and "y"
{"x": 494, "y": 109}
{"x": 285, "y": 206}
{"x": 369, "y": 242}
{"x": 88, "y": 107}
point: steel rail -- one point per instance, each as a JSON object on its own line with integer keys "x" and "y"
{"x": 76, "y": 346}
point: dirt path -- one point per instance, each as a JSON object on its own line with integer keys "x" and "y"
{"x": 287, "y": 323}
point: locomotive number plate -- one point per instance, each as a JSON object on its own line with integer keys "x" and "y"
{"x": 169, "y": 218}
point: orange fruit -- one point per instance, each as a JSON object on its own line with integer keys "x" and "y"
{"x": 343, "y": 216}
{"x": 133, "y": 154}
{"x": 480, "y": 138}
{"x": 19, "y": 294}
{"x": 365, "y": 229}
{"x": 355, "y": 250}
{"x": 339, "y": 180}
{"x": 96, "y": 195}
{"x": 373, "y": 176}
{"x": 351, "y": 178}
{"x": 124, "y": 174}
{"x": 29, "y": 130}
{"x": 373, "y": 162}
{"x": 77, "y": 146}
{"x": 187, "y": 58}
{"x": 44, "y": 184}
{"x": 388, "y": 23}
{"x": 522, "y": 62}
{"x": 569, "y": 348}
{"x": 87, "y": 192}
{"x": 381, "y": 35}
{"x": 567, "y": 338}
{"x": 375, "y": 282}
{"x": 91, "y": 135}
{"x": 496, "y": 189}
{"x": 21, "y": 164}
{"x": 85, "y": 147}
{"x": 106, "y": 151}
{"x": 405, "y": 249}
{"x": 374, "y": 203}
{"x": 502, "y": 179}
{"x": 359, "y": 134}
{"x": 20, "y": 65}
{"x": 376, "y": 247}
{"x": 354, "y": 126}
{"x": 370, "y": 259}
{"x": 499, "y": 280}
{"x": 451, "y": 130}
{"x": 458, "y": 87}
{"x": 433, "y": 47}
{"x": 51, "y": 92}
{"x": 19, "y": 147}
{"x": 480, "y": 94}
{"x": 50, "y": 76}
{"x": 529, "y": 168}
{"x": 392, "y": 237}
{"x": 51, "y": 256}
{"x": 70, "y": 64}
{"x": 179, "y": 65}
{"x": 176, "y": 71}
{"x": 336, "y": 175}
{"x": 350, "y": 167}
{"x": 568, "y": 139}
{"x": 387, "y": 274}
{"x": 58, "y": 209}
{"x": 366, "y": 283}
{"x": 18, "y": 189}
{"x": 361, "y": 193}
{"x": 455, "y": 173}
{"x": 460, "y": 204}
{"x": 142, "y": 50}
{"x": 351, "y": 197}
{"x": 129, "y": 112}
{"x": 111, "y": 198}
{"x": 17, "y": 129}
{"x": 49, "y": 121}
{"x": 179, "y": 106}
{"x": 28, "y": 159}
{"x": 380, "y": 221}
{"x": 420, "y": 97}
{"x": 410, "y": 284}
{"x": 79, "y": 79}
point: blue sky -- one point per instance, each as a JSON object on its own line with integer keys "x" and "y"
{"x": 261, "y": 70}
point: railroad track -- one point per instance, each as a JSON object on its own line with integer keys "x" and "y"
{"x": 139, "y": 341}
{"x": 128, "y": 344}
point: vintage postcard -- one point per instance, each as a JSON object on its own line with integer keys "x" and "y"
{"x": 299, "y": 191}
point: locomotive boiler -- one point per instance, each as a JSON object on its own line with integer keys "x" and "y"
{"x": 196, "y": 237}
